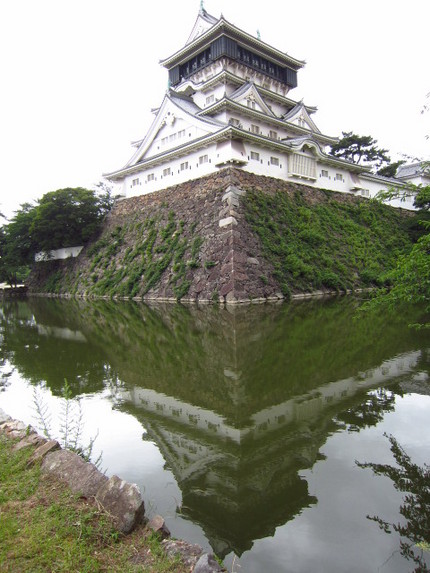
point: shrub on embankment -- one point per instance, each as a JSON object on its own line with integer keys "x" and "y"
{"x": 284, "y": 239}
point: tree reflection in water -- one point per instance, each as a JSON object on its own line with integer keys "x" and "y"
{"x": 414, "y": 480}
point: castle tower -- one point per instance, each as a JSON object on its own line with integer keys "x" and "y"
{"x": 228, "y": 103}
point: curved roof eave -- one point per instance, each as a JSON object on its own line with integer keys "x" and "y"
{"x": 227, "y": 102}
{"x": 194, "y": 47}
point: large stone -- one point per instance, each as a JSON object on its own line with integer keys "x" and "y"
{"x": 80, "y": 476}
{"x": 158, "y": 525}
{"x": 43, "y": 450}
{"x": 207, "y": 564}
{"x": 32, "y": 439}
{"x": 123, "y": 502}
{"x": 4, "y": 417}
{"x": 188, "y": 553}
{"x": 227, "y": 221}
{"x": 15, "y": 429}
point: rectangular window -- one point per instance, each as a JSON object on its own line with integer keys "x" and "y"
{"x": 234, "y": 121}
{"x": 181, "y": 133}
{"x": 324, "y": 173}
{"x": 203, "y": 159}
{"x": 150, "y": 177}
{"x": 274, "y": 160}
{"x": 135, "y": 182}
{"x": 184, "y": 165}
{"x": 302, "y": 166}
{"x": 255, "y": 128}
{"x": 339, "y": 177}
{"x": 273, "y": 134}
{"x": 164, "y": 141}
{"x": 255, "y": 156}
{"x": 210, "y": 99}
{"x": 172, "y": 137}
{"x": 166, "y": 171}
{"x": 365, "y": 192}
{"x": 250, "y": 103}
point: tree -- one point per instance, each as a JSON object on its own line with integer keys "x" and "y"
{"x": 411, "y": 278}
{"x": 68, "y": 217}
{"x": 360, "y": 149}
{"x": 390, "y": 170}
{"x": 16, "y": 246}
{"x": 415, "y": 481}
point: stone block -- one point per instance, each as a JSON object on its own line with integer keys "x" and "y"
{"x": 226, "y": 288}
{"x": 158, "y": 525}
{"x": 123, "y": 502}
{"x": 227, "y": 221}
{"x": 207, "y": 564}
{"x": 188, "y": 553}
{"x": 4, "y": 417}
{"x": 30, "y": 440}
{"x": 43, "y": 450}
{"x": 80, "y": 476}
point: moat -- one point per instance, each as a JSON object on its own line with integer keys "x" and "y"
{"x": 242, "y": 426}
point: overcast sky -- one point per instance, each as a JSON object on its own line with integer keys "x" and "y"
{"x": 79, "y": 78}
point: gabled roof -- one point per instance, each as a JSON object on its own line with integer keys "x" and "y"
{"x": 250, "y": 91}
{"x": 412, "y": 170}
{"x": 174, "y": 106}
{"x": 300, "y": 111}
{"x": 203, "y": 22}
{"x": 187, "y": 85}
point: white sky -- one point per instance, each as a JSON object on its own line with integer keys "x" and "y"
{"x": 78, "y": 78}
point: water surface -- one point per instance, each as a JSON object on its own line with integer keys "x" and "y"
{"x": 241, "y": 426}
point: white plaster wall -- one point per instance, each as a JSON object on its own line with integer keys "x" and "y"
{"x": 57, "y": 254}
{"x": 177, "y": 175}
{"x": 200, "y": 97}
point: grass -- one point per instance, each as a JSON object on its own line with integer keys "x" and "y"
{"x": 330, "y": 244}
{"x": 44, "y": 527}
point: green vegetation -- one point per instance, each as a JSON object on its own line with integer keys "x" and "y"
{"x": 363, "y": 150}
{"x": 410, "y": 278}
{"x": 332, "y": 244}
{"x": 45, "y": 527}
{"x": 414, "y": 480}
{"x": 131, "y": 259}
{"x": 63, "y": 218}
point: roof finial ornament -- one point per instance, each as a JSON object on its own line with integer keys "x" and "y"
{"x": 258, "y": 34}
{"x": 202, "y": 6}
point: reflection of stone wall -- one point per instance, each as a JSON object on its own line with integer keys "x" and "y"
{"x": 235, "y": 362}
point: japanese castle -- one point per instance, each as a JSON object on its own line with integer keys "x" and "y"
{"x": 229, "y": 104}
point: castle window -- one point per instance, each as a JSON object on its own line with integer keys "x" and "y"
{"x": 250, "y": 103}
{"x": 172, "y": 137}
{"x": 181, "y": 133}
{"x": 255, "y": 156}
{"x": 184, "y": 166}
{"x": 365, "y": 192}
{"x": 166, "y": 171}
{"x": 302, "y": 166}
{"x": 203, "y": 159}
{"x": 273, "y": 134}
{"x": 255, "y": 128}
{"x": 210, "y": 99}
{"x": 150, "y": 177}
{"x": 324, "y": 173}
{"x": 135, "y": 182}
{"x": 234, "y": 121}
{"x": 164, "y": 141}
{"x": 339, "y": 177}
{"x": 274, "y": 160}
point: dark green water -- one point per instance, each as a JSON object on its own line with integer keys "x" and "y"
{"x": 241, "y": 426}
